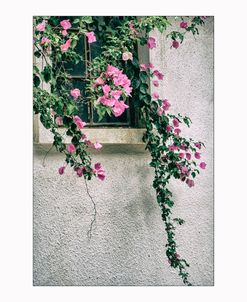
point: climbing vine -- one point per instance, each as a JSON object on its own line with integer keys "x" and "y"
{"x": 115, "y": 79}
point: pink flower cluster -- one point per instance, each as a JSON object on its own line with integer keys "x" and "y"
{"x": 114, "y": 84}
{"x": 41, "y": 26}
{"x": 97, "y": 170}
{"x": 65, "y": 25}
{"x": 79, "y": 123}
{"x": 96, "y": 146}
{"x": 185, "y": 171}
{"x": 164, "y": 107}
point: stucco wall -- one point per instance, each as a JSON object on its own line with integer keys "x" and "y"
{"x": 128, "y": 242}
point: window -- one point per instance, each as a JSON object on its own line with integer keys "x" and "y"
{"x": 79, "y": 73}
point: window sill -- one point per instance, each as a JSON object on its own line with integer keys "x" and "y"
{"x": 105, "y": 135}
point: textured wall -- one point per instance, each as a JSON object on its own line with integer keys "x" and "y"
{"x": 128, "y": 242}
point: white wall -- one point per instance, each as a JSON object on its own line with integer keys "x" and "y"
{"x": 128, "y": 242}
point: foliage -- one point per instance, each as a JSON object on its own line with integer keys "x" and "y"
{"x": 113, "y": 77}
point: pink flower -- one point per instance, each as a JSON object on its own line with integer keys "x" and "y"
{"x": 64, "y": 47}
{"x": 61, "y": 170}
{"x": 183, "y": 24}
{"x": 168, "y": 128}
{"x": 99, "y": 81}
{"x": 184, "y": 147}
{"x": 155, "y": 95}
{"x": 79, "y": 123}
{"x": 106, "y": 89}
{"x": 59, "y": 121}
{"x": 75, "y": 93}
{"x": 198, "y": 145}
{"x": 150, "y": 65}
{"x": 91, "y": 37}
{"x": 190, "y": 182}
{"x": 177, "y": 255}
{"x": 88, "y": 143}
{"x": 202, "y": 165}
{"x": 131, "y": 25}
{"x": 197, "y": 155}
{"x": 116, "y": 94}
{"x": 156, "y": 83}
{"x": 160, "y": 111}
{"x": 119, "y": 108}
{"x": 188, "y": 156}
{"x": 97, "y": 146}
{"x": 71, "y": 148}
{"x": 143, "y": 67}
{"x": 172, "y": 148}
{"x": 65, "y": 24}
{"x": 166, "y": 105}
{"x": 64, "y": 32}
{"x": 177, "y": 131}
{"x": 79, "y": 171}
{"x": 175, "y": 122}
{"x": 159, "y": 75}
{"x": 127, "y": 56}
{"x": 181, "y": 155}
{"x": 100, "y": 172}
{"x": 107, "y": 102}
{"x": 98, "y": 166}
{"x": 41, "y": 26}
{"x": 151, "y": 43}
{"x": 185, "y": 171}
{"x": 112, "y": 71}
{"x": 175, "y": 44}
{"x": 45, "y": 40}
{"x": 83, "y": 137}
{"x": 127, "y": 89}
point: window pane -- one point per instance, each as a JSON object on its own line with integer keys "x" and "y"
{"x": 82, "y": 105}
{"x": 78, "y": 69}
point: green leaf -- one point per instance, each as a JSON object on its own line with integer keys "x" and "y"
{"x": 47, "y": 73}
{"x": 71, "y": 108}
{"x": 143, "y": 88}
{"x": 37, "y": 53}
{"x": 109, "y": 111}
{"x": 76, "y": 21}
{"x": 143, "y": 76}
{"x": 88, "y": 19}
{"x": 36, "y": 80}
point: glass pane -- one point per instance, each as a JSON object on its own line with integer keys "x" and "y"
{"x": 95, "y": 49}
{"x": 78, "y": 69}
{"x": 82, "y": 104}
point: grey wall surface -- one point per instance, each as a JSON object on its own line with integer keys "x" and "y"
{"x": 128, "y": 242}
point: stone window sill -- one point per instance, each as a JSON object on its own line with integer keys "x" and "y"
{"x": 105, "y": 135}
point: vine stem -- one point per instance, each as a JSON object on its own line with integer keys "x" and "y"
{"x": 89, "y": 233}
{"x": 43, "y": 162}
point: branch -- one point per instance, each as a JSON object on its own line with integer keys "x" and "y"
{"x": 89, "y": 233}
